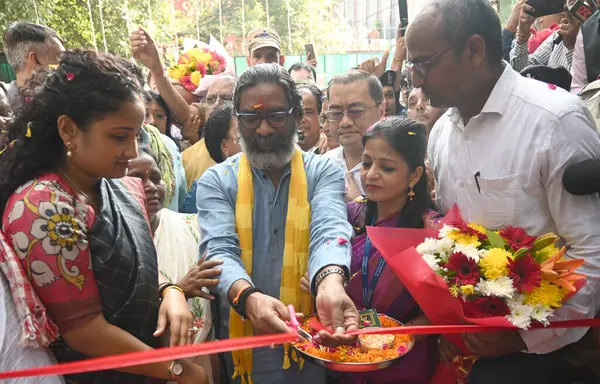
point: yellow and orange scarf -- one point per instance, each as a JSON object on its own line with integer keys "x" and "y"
{"x": 295, "y": 255}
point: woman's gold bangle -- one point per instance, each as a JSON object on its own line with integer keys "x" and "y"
{"x": 172, "y": 287}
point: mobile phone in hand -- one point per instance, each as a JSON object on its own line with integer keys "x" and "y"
{"x": 310, "y": 52}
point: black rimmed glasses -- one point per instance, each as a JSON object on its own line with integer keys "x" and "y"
{"x": 252, "y": 120}
{"x": 422, "y": 67}
{"x": 353, "y": 113}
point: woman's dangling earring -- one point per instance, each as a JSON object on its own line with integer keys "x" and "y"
{"x": 411, "y": 192}
{"x": 69, "y": 153}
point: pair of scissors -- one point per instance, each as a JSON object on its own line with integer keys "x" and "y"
{"x": 295, "y": 325}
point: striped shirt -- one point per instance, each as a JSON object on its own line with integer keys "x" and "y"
{"x": 546, "y": 54}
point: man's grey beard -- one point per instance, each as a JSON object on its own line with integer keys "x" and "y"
{"x": 282, "y": 150}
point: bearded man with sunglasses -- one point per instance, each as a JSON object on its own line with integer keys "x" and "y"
{"x": 499, "y": 153}
{"x": 273, "y": 213}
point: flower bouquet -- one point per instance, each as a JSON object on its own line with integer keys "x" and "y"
{"x": 194, "y": 65}
{"x": 462, "y": 272}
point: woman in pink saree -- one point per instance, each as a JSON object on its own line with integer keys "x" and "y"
{"x": 393, "y": 177}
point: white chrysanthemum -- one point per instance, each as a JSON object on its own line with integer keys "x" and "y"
{"x": 541, "y": 313}
{"x": 516, "y": 299}
{"x": 444, "y": 231}
{"x": 432, "y": 261}
{"x": 469, "y": 250}
{"x": 429, "y": 245}
{"x": 445, "y": 246}
{"x": 520, "y": 315}
{"x": 500, "y": 287}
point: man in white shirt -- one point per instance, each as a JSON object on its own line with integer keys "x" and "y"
{"x": 500, "y": 154}
{"x": 355, "y": 104}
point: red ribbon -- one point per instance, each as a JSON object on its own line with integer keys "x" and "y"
{"x": 213, "y": 347}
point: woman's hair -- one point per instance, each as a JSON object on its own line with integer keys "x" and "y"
{"x": 216, "y": 130}
{"x": 144, "y": 149}
{"x": 86, "y": 86}
{"x": 316, "y": 93}
{"x": 154, "y": 96}
{"x": 408, "y": 139}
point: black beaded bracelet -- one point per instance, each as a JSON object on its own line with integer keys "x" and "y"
{"x": 240, "y": 306}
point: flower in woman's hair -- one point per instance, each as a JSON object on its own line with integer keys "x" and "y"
{"x": 541, "y": 313}
{"x": 525, "y": 272}
{"x": 70, "y": 76}
{"x": 520, "y": 315}
{"x": 493, "y": 264}
{"x": 500, "y": 287}
{"x": 517, "y": 238}
{"x": 462, "y": 270}
{"x": 486, "y": 307}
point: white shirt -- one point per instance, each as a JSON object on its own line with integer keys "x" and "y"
{"x": 338, "y": 155}
{"x": 519, "y": 145}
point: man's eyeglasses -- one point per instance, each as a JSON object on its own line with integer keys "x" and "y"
{"x": 252, "y": 120}
{"x": 353, "y": 113}
{"x": 422, "y": 67}
{"x": 323, "y": 118}
{"x": 212, "y": 100}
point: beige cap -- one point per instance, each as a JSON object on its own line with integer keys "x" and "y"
{"x": 263, "y": 37}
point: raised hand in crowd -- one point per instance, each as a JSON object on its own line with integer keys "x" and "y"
{"x": 399, "y": 52}
{"x": 203, "y": 274}
{"x": 513, "y": 20}
{"x": 569, "y": 29}
{"x": 525, "y": 23}
{"x": 144, "y": 50}
{"x": 374, "y": 66}
{"x": 191, "y": 128}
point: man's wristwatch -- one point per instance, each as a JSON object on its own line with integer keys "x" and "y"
{"x": 332, "y": 270}
{"x": 175, "y": 370}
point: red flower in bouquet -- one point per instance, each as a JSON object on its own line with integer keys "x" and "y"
{"x": 187, "y": 83}
{"x": 486, "y": 307}
{"x": 525, "y": 272}
{"x": 463, "y": 226}
{"x": 462, "y": 270}
{"x": 517, "y": 238}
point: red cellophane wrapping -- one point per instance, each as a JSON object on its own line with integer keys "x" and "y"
{"x": 397, "y": 245}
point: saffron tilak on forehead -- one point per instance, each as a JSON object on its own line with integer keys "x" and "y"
{"x": 261, "y": 106}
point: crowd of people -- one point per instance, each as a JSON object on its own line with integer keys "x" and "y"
{"x": 138, "y": 215}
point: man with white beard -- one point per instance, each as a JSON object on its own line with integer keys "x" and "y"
{"x": 273, "y": 213}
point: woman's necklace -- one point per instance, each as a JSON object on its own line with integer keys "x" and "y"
{"x": 79, "y": 190}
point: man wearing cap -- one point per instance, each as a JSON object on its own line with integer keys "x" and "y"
{"x": 392, "y": 105}
{"x": 264, "y": 46}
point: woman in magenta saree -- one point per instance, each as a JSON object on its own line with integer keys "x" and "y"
{"x": 396, "y": 196}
